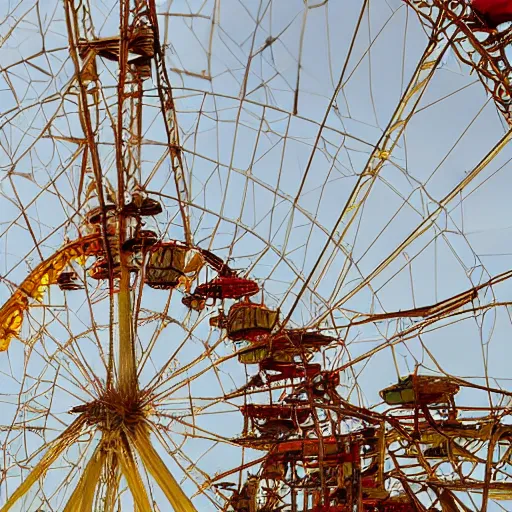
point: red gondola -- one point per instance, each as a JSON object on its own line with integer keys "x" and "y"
{"x": 100, "y": 270}
{"x": 304, "y": 339}
{"x": 141, "y": 204}
{"x": 216, "y": 263}
{"x": 395, "y": 504}
{"x": 335, "y": 450}
{"x": 68, "y": 280}
{"x": 289, "y": 370}
{"x": 493, "y": 12}
{"x": 227, "y": 287}
{"x": 276, "y": 412}
{"x": 194, "y": 302}
{"x": 142, "y": 241}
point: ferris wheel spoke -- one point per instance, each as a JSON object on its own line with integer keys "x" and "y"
{"x": 73, "y": 352}
{"x": 425, "y": 225}
{"x": 178, "y": 452}
{"x": 59, "y": 493}
{"x": 54, "y": 450}
{"x": 383, "y": 149}
{"x": 131, "y": 472}
{"x": 316, "y": 317}
{"x": 166, "y": 393}
{"x": 164, "y": 320}
{"x": 388, "y": 225}
{"x": 192, "y": 428}
{"x": 188, "y": 466}
{"x": 171, "y": 126}
{"x": 113, "y": 480}
{"x": 83, "y": 495}
{"x": 158, "y": 470}
{"x": 155, "y": 384}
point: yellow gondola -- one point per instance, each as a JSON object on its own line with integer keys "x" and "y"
{"x": 172, "y": 263}
{"x": 420, "y": 390}
{"x": 250, "y": 321}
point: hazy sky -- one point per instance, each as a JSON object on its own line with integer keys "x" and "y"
{"x": 267, "y": 187}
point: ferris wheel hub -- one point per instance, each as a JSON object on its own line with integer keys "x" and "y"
{"x": 114, "y": 411}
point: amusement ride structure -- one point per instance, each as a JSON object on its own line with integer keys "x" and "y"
{"x": 228, "y": 282}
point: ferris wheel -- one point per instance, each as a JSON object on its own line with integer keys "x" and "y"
{"x": 255, "y": 256}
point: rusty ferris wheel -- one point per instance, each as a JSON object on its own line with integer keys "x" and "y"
{"x": 255, "y": 255}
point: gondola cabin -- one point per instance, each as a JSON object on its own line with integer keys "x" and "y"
{"x": 420, "y": 390}
{"x": 250, "y": 321}
{"x": 280, "y": 351}
{"x": 257, "y": 354}
{"x": 142, "y": 205}
{"x": 68, "y": 280}
{"x": 393, "y": 504}
{"x": 172, "y": 263}
{"x": 276, "y": 411}
{"x": 100, "y": 270}
{"x": 94, "y": 219}
{"x": 335, "y": 451}
{"x": 227, "y": 287}
{"x": 493, "y": 12}
{"x": 283, "y": 371}
{"x": 303, "y": 339}
{"x": 194, "y": 302}
{"x": 141, "y": 240}
{"x": 284, "y": 347}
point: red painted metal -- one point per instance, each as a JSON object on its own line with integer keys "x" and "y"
{"x": 143, "y": 207}
{"x": 367, "y": 507}
{"x": 289, "y": 370}
{"x": 332, "y": 448}
{"x": 276, "y": 412}
{"x": 329, "y": 508}
{"x": 194, "y": 302}
{"x": 68, "y": 280}
{"x": 216, "y": 263}
{"x": 387, "y": 506}
{"x": 100, "y": 270}
{"x": 143, "y": 240}
{"x": 493, "y": 12}
{"x": 227, "y": 287}
{"x": 301, "y": 338}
